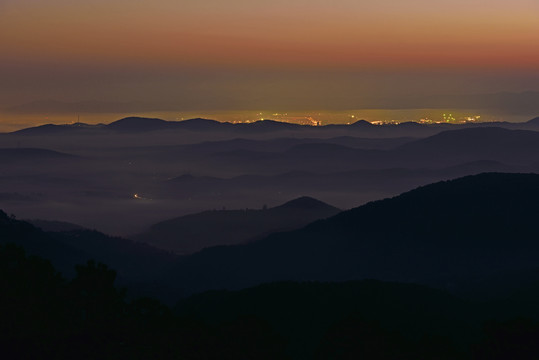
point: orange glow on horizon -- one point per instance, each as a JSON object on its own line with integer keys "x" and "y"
{"x": 216, "y": 54}
{"x": 493, "y": 39}
{"x": 196, "y": 50}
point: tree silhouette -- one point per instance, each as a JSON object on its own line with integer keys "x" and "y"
{"x": 97, "y": 298}
{"x": 29, "y": 306}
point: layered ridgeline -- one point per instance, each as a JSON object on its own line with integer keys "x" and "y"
{"x": 476, "y": 232}
{"x": 191, "y": 233}
{"x": 136, "y": 124}
{"x": 137, "y": 265}
{"x": 453, "y": 234}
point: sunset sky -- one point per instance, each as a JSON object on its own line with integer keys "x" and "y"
{"x": 243, "y": 53}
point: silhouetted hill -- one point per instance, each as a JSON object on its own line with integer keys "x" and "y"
{"x": 200, "y": 124}
{"x": 37, "y": 242}
{"x": 380, "y": 182}
{"x": 303, "y": 312}
{"x": 55, "y": 226}
{"x": 448, "y": 148}
{"x": 131, "y": 124}
{"x": 46, "y": 316}
{"x": 191, "y": 233}
{"x": 306, "y": 203}
{"x": 442, "y": 234}
{"x": 534, "y": 121}
{"x": 52, "y": 129}
{"x": 267, "y": 125}
{"x": 463, "y": 140}
{"x": 485, "y": 143}
{"x": 136, "y": 124}
{"x": 361, "y": 123}
{"x": 136, "y": 263}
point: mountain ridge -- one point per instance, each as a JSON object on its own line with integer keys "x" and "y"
{"x": 141, "y": 124}
{"x": 390, "y": 239}
{"x": 191, "y": 233}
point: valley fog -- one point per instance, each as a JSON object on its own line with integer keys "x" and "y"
{"x": 122, "y": 177}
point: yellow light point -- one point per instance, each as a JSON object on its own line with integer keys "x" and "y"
{"x": 136, "y": 196}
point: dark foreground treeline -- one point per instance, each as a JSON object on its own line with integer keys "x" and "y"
{"x": 45, "y": 316}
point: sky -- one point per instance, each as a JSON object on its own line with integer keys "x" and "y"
{"x": 241, "y": 54}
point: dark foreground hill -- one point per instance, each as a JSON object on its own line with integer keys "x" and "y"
{"x": 191, "y": 233}
{"x": 477, "y": 232}
{"x": 408, "y": 318}
{"x": 138, "y": 265}
{"x": 450, "y": 234}
{"x": 46, "y": 316}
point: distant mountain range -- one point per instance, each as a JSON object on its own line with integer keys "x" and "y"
{"x": 183, "y": 172}
{"x": 492, "y": 143}
{"x": 448, "y": 148}
{"x": 191, "y": 233}
{"x": 445, "y": 148}
{"x": 392, "y": 180}
{"x": 141, "y": 124}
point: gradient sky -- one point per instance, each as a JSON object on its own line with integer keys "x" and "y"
{"x": 235, "y": 53}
